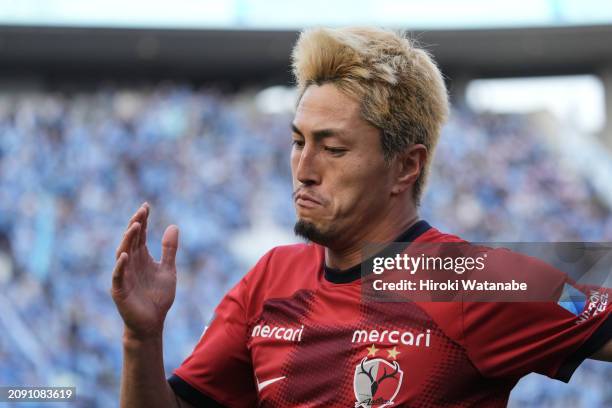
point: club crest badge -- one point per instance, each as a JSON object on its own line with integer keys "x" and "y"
{"x": 376, "y": 382}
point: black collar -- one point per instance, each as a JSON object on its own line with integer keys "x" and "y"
{"x": 353, "y": 273}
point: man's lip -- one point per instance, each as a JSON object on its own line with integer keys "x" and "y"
{"x": 304, "y": 203}
{"x": 306, "y": 197}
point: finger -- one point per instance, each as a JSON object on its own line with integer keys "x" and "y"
{"x": 132, "y": 219}
{"x": 144, "y": 223}
{"x": 125, "y": 245}
{"x": 119, "y": 271}
{"x": 170, "y": 246}
{"x": 137, "y": 215}
{"x": 122, "y": 245}
{"x": 135, "y": 239}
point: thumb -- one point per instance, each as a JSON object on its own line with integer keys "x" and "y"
{"x": 169, "y": 246}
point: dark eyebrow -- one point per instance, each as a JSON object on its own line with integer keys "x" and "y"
{"x": 318, "y": 134}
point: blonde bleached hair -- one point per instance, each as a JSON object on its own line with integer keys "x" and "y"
{"x": 400, "y": 88}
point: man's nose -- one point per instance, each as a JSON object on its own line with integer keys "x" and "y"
{"x": 308, "y": 171}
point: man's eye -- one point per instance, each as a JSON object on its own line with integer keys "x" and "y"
{"x": 297, "y": 143}
{"x": 337, "y": 151}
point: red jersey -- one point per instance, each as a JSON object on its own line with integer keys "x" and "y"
{"x": 294, "y": 333}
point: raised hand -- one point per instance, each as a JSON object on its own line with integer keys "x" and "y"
{"x": 142, "y": 288}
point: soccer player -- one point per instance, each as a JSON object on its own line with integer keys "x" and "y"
{"x": 295, "y": 331}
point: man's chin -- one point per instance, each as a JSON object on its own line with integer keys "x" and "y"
{"x": 311, "y": 232}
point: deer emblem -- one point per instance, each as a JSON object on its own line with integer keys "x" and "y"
{"x": 375, "y": 383}
{"x": 368, "y": 382}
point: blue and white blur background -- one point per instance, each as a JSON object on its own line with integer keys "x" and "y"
{"x": 187, "y": 104}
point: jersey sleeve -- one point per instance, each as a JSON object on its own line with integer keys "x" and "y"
{"x": 219, "y": 371}
{"x": 512, "y": 339}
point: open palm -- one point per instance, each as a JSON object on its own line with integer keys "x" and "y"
{"x": 142, "y": 288}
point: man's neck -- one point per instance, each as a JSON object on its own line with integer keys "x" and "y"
{"x": 351, "y": 255}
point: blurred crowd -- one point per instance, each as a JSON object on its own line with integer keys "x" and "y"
{"x": 74, "y": 166}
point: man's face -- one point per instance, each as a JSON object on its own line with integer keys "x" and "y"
{"x": 340, "y": 180}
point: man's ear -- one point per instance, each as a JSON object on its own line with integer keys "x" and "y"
{"x": 409, "y": 164}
